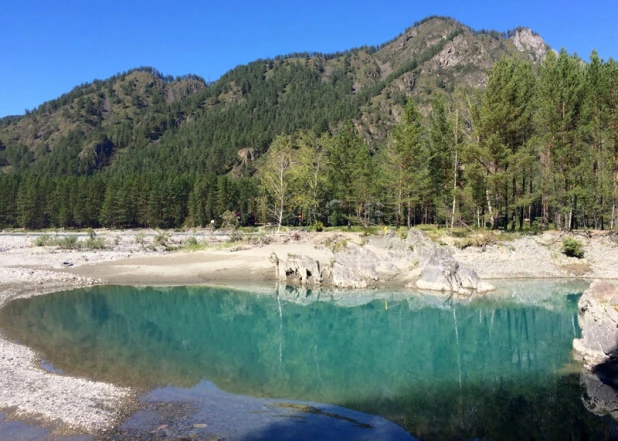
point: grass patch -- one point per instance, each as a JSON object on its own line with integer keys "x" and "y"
{"x": 93, "y": 242}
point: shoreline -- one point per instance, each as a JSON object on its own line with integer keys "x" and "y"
{"x": 72, "y": 405}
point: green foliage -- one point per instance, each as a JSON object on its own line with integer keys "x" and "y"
{"x": 140, "y": 238}
{"x": 229, "y": 220}
{"x": 67, "y": 243}
{"x": 161, "y": 239}
{"x": 572, "y": 248}
{"x": 318, "y": 226}
{"x": 43, "y": 241}
{"x": 93, "y": 242}
{"x": 480, "y": 240}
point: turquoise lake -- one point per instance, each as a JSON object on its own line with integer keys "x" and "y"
{"x": 436, "y": 367}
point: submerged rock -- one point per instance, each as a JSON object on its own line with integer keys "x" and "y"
{"x": 598, "y": 319}
{"x": 600, "y": 395}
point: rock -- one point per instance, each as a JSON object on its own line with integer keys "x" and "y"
{"x": 598, "y": 319}
{"x": 440, "y": 271}
{"x": 598, "y": 397}
{"x": 302, "y": 268}
{"x": 66, "y": 263}
{"x": 526, "y": 40}
{"x": 356, "y": 267}
{"x": 384, "y": 257}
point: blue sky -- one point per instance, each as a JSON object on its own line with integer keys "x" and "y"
{"x": 48, "y": 47}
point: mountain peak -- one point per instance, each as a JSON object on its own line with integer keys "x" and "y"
{"x": 526, "y": 40}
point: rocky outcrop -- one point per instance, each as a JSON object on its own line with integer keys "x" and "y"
{"x": 439, "y": 269}
{"x": 527, "y": 41}
{"x": 598, "y": 319}
{"x": 301, "y": 269}
{"x": 381, "y": 259}
{"x": 355, "y": 267}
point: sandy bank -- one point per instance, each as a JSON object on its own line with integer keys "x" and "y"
{"x": 525, "y": 257}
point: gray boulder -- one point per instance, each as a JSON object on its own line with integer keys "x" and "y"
{"x": 301, "y": 269}
{"x": 599, "y": 397}
{"x": 385, "y": 257}
{"x": 355, "y": 267}
{"x": 598, "y": 319}
{"x": 440, "y": 271}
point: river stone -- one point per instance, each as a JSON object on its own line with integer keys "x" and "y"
{"x": 598, "y": 319}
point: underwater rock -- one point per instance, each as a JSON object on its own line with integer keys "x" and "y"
{"x": 598, "y": 396}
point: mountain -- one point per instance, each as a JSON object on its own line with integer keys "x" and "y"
{"x": 141, "y": 121}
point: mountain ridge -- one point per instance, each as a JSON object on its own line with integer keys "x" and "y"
{"x": 100, "y": 121}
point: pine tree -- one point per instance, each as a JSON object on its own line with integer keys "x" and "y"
{"x": 505, "y": 126}
{"x": 405, "y": 161}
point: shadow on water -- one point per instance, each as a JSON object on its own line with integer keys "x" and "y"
{"x": 439, "y": 370}
{"x": 206, "y": 412}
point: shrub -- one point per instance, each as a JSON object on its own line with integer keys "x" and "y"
{"x": 140, "y": 238}
{"x": 43, "y": 241}
{"x": 319, "y": 226}
{"x": 478, "y": 240}
{"x": 229, "y": 220}
{"x": 572, "y": 248}
{"x": 68, "y": 243}
{"x": 93, "y": 243}
{"x": 161, "y": 238}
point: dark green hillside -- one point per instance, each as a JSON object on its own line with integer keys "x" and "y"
{"x": 141, "y": 120}
{"x": 440, "y": 124}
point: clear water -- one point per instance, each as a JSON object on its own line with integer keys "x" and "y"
{"x": 438, "y": 368}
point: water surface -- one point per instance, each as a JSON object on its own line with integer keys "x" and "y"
{"x": 439, "y": 368}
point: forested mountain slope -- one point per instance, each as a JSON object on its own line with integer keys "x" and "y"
{"x": 142, "y": 121}
{"x": 441, "y": 124}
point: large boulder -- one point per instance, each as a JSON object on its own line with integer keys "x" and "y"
{"x": 598, "y": 319}
{"x": 355, "y": 267}
{"x": 382, "y": 258}
{"x": 599, "y": 395}
{"x": 440, "y": 271}
{"x": 301, "y": 269}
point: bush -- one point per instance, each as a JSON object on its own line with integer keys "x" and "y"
{"x": 319, "y": 226}
{"x": 161, "y": 238}
{"x": 43, "y": 241}
{"x": 572, "y": 248}
{"x": 68, "y": 243}
{"x": 140, "y": 238}
{"x": 93, "y": 243}
{"x": 229, "y": 220}
{"x": 478, "y": 240}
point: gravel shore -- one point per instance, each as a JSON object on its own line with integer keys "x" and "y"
{"x": 62, "y": 402}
